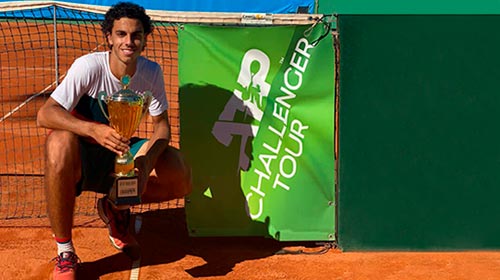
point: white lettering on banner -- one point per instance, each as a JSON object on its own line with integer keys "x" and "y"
{"x": 253, "y": 104}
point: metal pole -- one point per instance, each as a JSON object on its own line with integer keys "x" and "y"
{"x": 56, "y": 57}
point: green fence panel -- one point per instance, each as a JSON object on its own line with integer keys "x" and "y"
{"x": 419, "y": 132}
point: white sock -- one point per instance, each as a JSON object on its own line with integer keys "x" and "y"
{"x": 65, "y": 247}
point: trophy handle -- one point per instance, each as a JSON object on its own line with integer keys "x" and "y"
{"x": 147, "y": 96}
{"x": 101, "y": 97}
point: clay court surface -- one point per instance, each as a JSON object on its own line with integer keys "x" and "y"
{"x": 169, "y": 253}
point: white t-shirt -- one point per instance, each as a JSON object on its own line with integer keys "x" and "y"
{"x": 90, "y": 74}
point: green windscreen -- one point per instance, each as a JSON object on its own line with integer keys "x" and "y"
{"x": 257, "y": 124}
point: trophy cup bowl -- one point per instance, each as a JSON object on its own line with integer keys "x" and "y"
{"x": 125, "y": 112}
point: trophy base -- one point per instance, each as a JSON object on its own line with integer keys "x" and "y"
{"x": 125, "y": 191}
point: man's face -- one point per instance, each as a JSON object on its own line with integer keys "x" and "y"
{"x": 127, "y": 39}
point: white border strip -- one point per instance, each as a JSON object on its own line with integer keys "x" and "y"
{"x": 170, "y": 16}
{"x": 134, "y": 272}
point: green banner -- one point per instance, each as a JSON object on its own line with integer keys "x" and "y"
{"x": 257, "y": 126}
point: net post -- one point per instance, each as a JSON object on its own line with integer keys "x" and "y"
{"x": 56, "y": 56}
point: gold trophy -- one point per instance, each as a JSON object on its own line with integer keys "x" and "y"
{"x": 126, "y": 109}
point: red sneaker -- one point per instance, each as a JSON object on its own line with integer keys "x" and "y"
{"x": 66, "y": 266}
{"x": 117, "y": 222}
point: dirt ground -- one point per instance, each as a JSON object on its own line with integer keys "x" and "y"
{"x": 169, "y": 253}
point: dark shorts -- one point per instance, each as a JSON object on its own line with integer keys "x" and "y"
{"x": 98, "y": 164}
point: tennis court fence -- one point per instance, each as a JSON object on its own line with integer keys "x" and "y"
{"x": 38, "y": 41}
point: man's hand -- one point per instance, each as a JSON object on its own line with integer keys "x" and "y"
{"x": 107, "y": 137}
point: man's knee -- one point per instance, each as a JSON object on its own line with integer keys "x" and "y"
{"x": 62, "y": 151}
{"x": 173, "y": 173}
{"x": 187, "y": 180}
{"x": 182, "y": 185}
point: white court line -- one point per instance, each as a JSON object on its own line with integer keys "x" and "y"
{"x": 136, "y": 265}
{"x": 134, "y": 272}
{"x": 28, "y": 100}
{"x": 138, "y": 223}
{"x": 37, "y": 94}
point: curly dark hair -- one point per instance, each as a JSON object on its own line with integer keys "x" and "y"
{"x": 129, "y": 10}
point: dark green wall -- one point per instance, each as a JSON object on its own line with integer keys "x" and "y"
{"x": 325, "y": 7}
{"x": 395, "y": 7}
{"x": 419, "y": 164}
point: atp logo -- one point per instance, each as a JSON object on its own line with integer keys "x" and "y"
{"x": 249, "y": 99}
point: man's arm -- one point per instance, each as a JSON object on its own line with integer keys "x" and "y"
{"x": 53, "y": 116}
